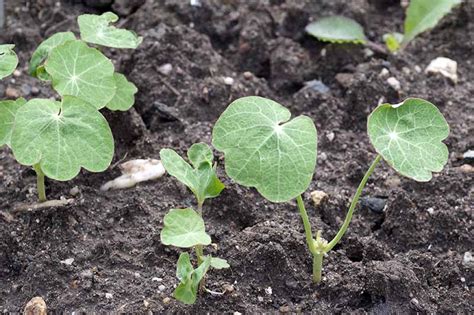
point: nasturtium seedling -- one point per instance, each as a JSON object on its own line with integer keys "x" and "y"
{"x": 407, "y": 135}
{"x": 96, "y": 29}
{"x": 266, "y": 149}
{"x": 124, "y": 97}
{"x": 8, "y": 60}
{"x": 8, "y": 111}
{"x": 201, "y": 177}
{"x": 337, "y": 29}
{"x": 185, "y": 227}
{"x": 392, "y": 41}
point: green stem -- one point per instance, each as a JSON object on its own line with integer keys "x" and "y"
{"x": 306, "y": 224}
{"x": 200, "y": 253}
{"x": 40, "y": 183}
{"x": 355, "y": 199}
{"x": 317, "y": 267}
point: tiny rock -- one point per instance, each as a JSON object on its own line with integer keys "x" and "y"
{"x": 161, "y": 287}
{"x": 368, "y": 52}
{"x": 466, "y": 168}
{"x": 136, "y": 171}
{"x": 468, "y": 156}
{"x": 74, "y": 191}
{"x": 318, "y": 196}
{"x": 17, "y": 73}
{"x": 417, "y": 68}
{"x": 430, "y": 210}
{"x": 68, "y": 261}
{"x": 36, "y": 306}
{"x": 146, "y": 303}
{"x": 248, "y": 75}
{"x": 109, "y": 295}
{"x": 165, "y": 69}
{"x": 344, "y": 79}
{"x": 316, "y": 85}
{"x": 468, "y": 260}
{"x": 444, "y": 66}
{"x": 12, "y": 93}
{"x": 156, "y": 279}
{"x": 228, "y": 81}
{"x": 394, "y": 83}
{"x": 375, "y": 204}
{"x": 384, "y": 73}
{"x": 269, "y": 291}
{"x": 166, "y": 300}
{"x": 260, "y": 298}
{"x": 330, "y": 135}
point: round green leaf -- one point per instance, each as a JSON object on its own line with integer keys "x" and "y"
{"x": 200, "y": 153}
{"x": 125, "y": 94}
{"x": 184, "y": 228}
{"x": 78, "y": 70}
{"x": 62, "y": 137}
{"x": 8, "y": 60}
{"x": 8, "y": 111}
{"x": 337, "y": 29}
{"x": 95, "y": 29}
{"x": 265, "y": 149}
{"x": 43, "y": 50}
{"x": 409, "y": 137}
{"x": 219, "y": 263}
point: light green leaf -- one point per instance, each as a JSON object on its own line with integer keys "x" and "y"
{"x": 184, "y": 228}
{"x": 423, "y": 15}
{"x": 62, "y": 137}
{"x": 337, "y": 29}
{"x": 202, "y": 180}
{"x": 125, "y": 94}
{"x": 219, "y": 263}
{"x": 409, "y": 137}
{"x": 78, "y": 70}
{"x": 43, "y": 50}
{"x": 8, "y": 60}
{"x": 8, "y": 111}
{"x": 96, "y": 29}
{"x": 265, "y": 149}
{"x": 392, "y": 41}
{"x": 187, "y": 290}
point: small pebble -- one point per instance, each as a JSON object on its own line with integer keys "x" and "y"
{"x": 323, "y": 52}
{"x": 165, "y": 69}
{"x": 430, "y": 210}
{"x": 17, "y": 73}
{"x": 161, "y": 287}
{"x": 316, "y": 85}
{"x": 248, "y": 75}
{"x": 463, "y": 279}
{"x": 468, "y": 156}
{"x": 466, "y": 168}
{"x": 406, "y": 70}
{"x": 12, "y": 93}
{"x": 368, "y": 52}
{"x": 384, "y": 73}
{"x": 68, "y": 261}
{"x": 467, "y": 259}
{"x": 344, "y": 79}
{"x": 444, "y": 66}
{"x": 330, "y": 135}
{"x": 414, "y": 301}
{"x": 109, "y": 295}
{"x": 146, "y": 303}
{"x": 269, "y": 291}
{"x": 137, "y": 275}
{"x": 323, "y": 157}
{"x": 417, "y": 68}
{"x": 156, "y": 279}
{"x": 375, "y": 204}
{"x": 394, "y": 83}
{"x": 74, "y": 191}
{"x": 260, "y": 298}
{"x": 35, "y": 91}
{"x": 166, "y": 300}
{"x": 36, "y": 306}
{"x": 237, "y": 313}
{"x": 318, "y": 196}
{"x": 228, "y": 81}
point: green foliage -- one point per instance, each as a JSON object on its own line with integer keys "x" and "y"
{"x": 201, "y": 178}
{"x": 8, "y": 60}
{"x": 125, "y": 94}
{"x": 190, "y": 278}
{"x": 265, "y": 149}
{"x": 219, "y": 263}
{"x": 423, "y": 15}
{"x": 42, "y": 52}
{"x": 409, "y": 137}
{"x": 62, "y": 137}
{"x": 8, "y": 111}
{"x": 337, "y": 29}
{"x": 78, "y": 70}
{"x": 184, "y": 228}
{"x": 393, "y": 41}
{"x": 96, "y": 29}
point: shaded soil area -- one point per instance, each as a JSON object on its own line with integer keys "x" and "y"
{"x": 405, "y": 259}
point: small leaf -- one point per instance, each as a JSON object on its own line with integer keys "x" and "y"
{"x": 200, "y": 153}
{"x": 78, "y": 70}
{"x": 184, "y": 228}
{"x": 265, "y": 149}
{"x": 202, "y": 181}
{"x": 392, "y": 41}
{"x": 43, "y": 50}
{"x": 409, "y": 137}
{"x": 125, "y": 94}
{"x": 337, "y": 29}
{"x": 8, "y": 60}
{"x": 219, "y": 263}
{"x": 95, "y": 29}
{"x": 8, "y": 111}
{"x": 62, "y": 137}
{"x": 184, "y": 267}
{"x": 423, "y": 15}
{"x": 187, "y": 290}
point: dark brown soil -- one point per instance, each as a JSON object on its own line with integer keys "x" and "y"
{"x": 408, "y": 259}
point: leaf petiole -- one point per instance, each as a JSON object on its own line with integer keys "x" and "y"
{"x": 40, "y": 183}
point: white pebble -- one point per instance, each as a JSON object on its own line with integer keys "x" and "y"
{"x": 136, "y": 171}
{"x": 269, "y": 291}
{"x": 417, "y": 68}
{"x": 323, "y": 52}
{"x": 156, "y": 279}
{"x": 394, "y": 83}
{"x": 467, "y": 259}
{"x": 68, "y": 261}
{"x": 74, "y": 191}
{"x": 137, "y": 275}
{"x": 444, "y": 66}
{"x": 228, "y": 81}
{"x": 384, "y": 73}
{"x": 330, "y": 136}
{"x": 430, "y": 210}
{"x": 165, "y": 69}
{"x": 161, "y": 287}
{"x": 318, "y": 196}
{"x": 260, "y": 298}
{"x": 109, "y": 295}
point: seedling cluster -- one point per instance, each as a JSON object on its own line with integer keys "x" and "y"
{"x": 58, "y": 138}
{"x": 421, "y": 15}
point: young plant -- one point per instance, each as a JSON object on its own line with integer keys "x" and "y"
{"x": 58, "y": 138}
{"x": 421, "y": 16}
{"x": 265, "y": 149}
{"x": 185, "y": 228}
{"x": 8, "y": 60}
